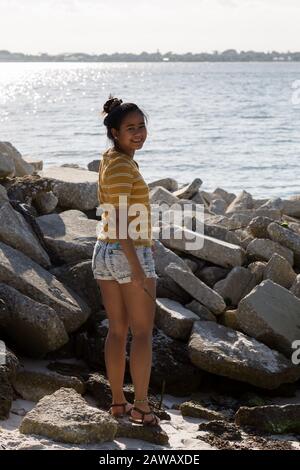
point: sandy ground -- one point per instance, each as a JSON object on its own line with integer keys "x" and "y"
{"x": 182, "y": 431}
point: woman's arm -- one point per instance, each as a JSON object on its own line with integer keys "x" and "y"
{"x": 138, "y": 274}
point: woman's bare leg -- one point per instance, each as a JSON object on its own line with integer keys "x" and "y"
{"x": 141, "y": 313}
{"x": 115, "y": 344}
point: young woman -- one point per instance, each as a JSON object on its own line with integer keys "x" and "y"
{"x": 123, "y": 265}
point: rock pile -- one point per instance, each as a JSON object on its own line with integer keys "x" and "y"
{"x": 229, "y": 310}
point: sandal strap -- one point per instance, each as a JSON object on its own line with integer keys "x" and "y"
{"x": 142, "y": 411}
{"x": 154, "y": 419}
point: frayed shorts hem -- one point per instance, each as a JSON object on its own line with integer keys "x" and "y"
{"x": 124, "y": 280}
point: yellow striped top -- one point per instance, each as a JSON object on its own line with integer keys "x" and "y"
{"x": 119, "y": 175}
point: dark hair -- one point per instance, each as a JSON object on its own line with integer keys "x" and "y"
{"x": 116, "y": 111}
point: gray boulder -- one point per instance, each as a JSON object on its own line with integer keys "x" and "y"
{"x": 223, "y": 351}
{"x": 34, "y": 327}
{"x": 279, "y": 270}
{"x": 273, "y": 419}
{"x": 239, "y": 282}
{"x": 65, "y": 416}
{"x": 168, "y": 183}
{"x": 70, "y": 234}
{"x": 261, "y": 249}
{"x": 196, "y": 288}
{"x": 204, "y": 247}
{"x": 287, "y": 238}
{"x": 20, "y": 272}
{"x": 12, "y": 163}
{"x": 271, "y": 314}
{"x": 174, "y": 319}
{"x": 75, "y": 188}
{"x": 16, "y": 232}
{"x": 33, "y": 385}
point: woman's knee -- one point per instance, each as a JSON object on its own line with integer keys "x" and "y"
{"x": 143, "y": 335}
{"x": 119, "y": 332}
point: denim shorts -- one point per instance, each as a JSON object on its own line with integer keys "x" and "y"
{"x": 109, "y": 262}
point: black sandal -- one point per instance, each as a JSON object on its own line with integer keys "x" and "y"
{"x": 153, "y": 422}
{"x": 124, "y": 409}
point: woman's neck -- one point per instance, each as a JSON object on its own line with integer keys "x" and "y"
{"x": 131, "y": 155}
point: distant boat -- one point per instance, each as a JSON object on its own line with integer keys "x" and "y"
{"x": 166, "y": 59}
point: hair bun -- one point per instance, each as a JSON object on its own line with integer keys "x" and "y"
{"x": 111, "y": 103}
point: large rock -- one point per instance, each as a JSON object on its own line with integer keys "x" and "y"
{"x": 261, "y": 249}
{"x": 170, "y": 364}
{"x": 65, "y": 416}
{"x": 274, "y": 419}
{"x": 223, "y": 194}
{"x": 196, "y": 288}
{"x": 174, "y": 319}
{"x": 218, "y": 206}
{"x": 34, "y": 327}
{"x": 271, "y": 314}
{"x": 160, "y": 195}
{"x": 34, "y": 385}
{"x": 221, "y": 233}
{"x": 45, "y": 202}
{"x": 287, "y": 238}
{"x": 70, "y": 234}
{"x": 17, "y": 233}
{"x": 210, "y": 275}
{"x": 215, "y": 251}
{"x": 20, "y": 272}
{"x": 257, "y": 268}
{"x": 163, "y": 256}
{"x": 258, "y": 226}
{"x": 12, "y": 163}
{"x": 202, "y": 312}
{"x": 232, "y": 354}
{"x": 166, "y": 287}
{"x": 242, "y": 201}
{"x": 75, "y": 188}
{"x": 9, "y": 365}
{"x": 79, "y": 277}
{"x": 188, "y": 191}
{"x": 37, "y": 164}
{"x": 239, "y": 282}
{"x": 168, "y": 183}
{"x": 25, "y": 189}
{"x": 94, "y": 166}
{"x": 279, "y": 270}
{"x": 291, "y": 207}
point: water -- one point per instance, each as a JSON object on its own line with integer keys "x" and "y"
{"x": 233, "y": 125}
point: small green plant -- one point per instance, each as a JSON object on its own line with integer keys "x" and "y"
{"x": 284, "y": 224}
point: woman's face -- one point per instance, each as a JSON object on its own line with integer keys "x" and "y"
{"x": 132, "y": 133}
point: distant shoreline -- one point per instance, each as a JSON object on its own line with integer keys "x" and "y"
{"x": 147, "y": 61}
{"x": 229, "y": 55}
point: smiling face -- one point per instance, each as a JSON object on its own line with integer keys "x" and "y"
{"x": 132, "y": 133}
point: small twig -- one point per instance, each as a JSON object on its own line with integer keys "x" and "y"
{"x": 162, "y": 393}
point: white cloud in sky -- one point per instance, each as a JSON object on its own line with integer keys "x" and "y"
{"x": 97, "y": 26}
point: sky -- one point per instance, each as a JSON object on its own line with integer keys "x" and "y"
{"x": 107, "y": 26}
